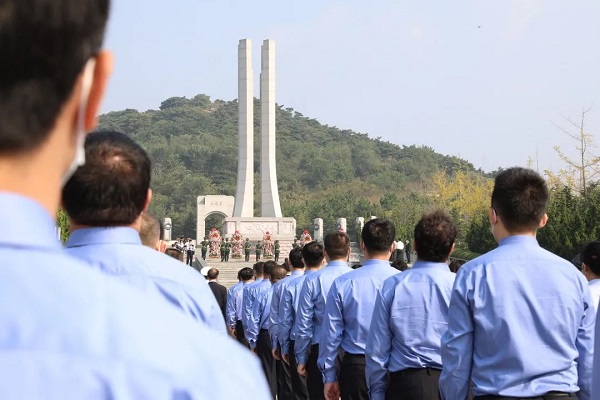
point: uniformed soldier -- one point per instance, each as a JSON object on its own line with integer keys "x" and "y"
{"x": 222, "y": 248}
{"x": 204, "y": 247}
{"x": 295, "y": 245}
{"x": 227, "y": 249}
{"x": 277, "y": 250}
{"x": 257, "y": 250}
{"x": 247, "y": 249}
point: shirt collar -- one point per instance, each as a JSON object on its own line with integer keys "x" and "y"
{"x": 336, "y": 263}
{"x": 519, "y": 239}
{"x": 88, "y": 236}
{"x": 25, "y": 223}
{"x": 595, "y": 282}
{"x": 297, "y": 272}
{"x": 375, "y": 262}
{"x": 431, "y": 264}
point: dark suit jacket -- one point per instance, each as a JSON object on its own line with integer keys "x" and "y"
{"x": 220, "y": 293}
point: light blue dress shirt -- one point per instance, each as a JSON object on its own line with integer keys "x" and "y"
{"x": 311, "y": 306}
{"x": 231, "y": 306}
{"x": 259, "y": 318}
{"x": 409, "y": 319}
{"x": 239, "y": 301}
{"x": 69, "y": 332}
{"x": 251, "y": 291}
{"x": 520, "y": 324}
{"x": 274, "y": 313}
{"x": 348, "y": 313}
{"x": 119, "y": 252}
{"x": 287, "y": 310}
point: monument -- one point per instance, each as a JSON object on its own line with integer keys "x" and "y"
{"x": 271, "y": 219}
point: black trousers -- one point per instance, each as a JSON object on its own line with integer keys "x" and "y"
{"x": 257, "y": 256}
{"x": 547, "y": 396}
{"x": 227, "y": 256}
{"x": 284, "y": 380}
{"x": 240, "y": 335}
{"x": 414, "y": 384}
{"x": 247, "y": 256}
{"x": 353, "y": 381}
{"x": 190, "y": 258}
{"x": 263, "y": 350}
{"x": 299, "y": 388}
{"x": 204, "y": 254}
{"x": 276, "y": 256}
{"x": 314, "y": 378}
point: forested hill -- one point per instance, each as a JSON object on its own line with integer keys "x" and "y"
{"x": 323, "y": 171}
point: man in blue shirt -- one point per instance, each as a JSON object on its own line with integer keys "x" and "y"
{"x": 261, "y": 341}
{"x": 105, "y": 200}
{"x": 304, "y": 262}
{"x": 520, "y": 322}
{"x": 68, "y": 331}
{"x": 348, "y": 312}
{"x": 247, "y": 298}
{"x": 311, "y": 307}
{"x": 410, "y": 317}
{"x": 235, "y": 318}
{"x": 284, "y": 377}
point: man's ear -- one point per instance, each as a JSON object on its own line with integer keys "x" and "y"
{"x": 544, "y": 221}
{"x": 148, "y": 200}
{"x": 492, "y": 216}
{"x": 452, "y": 248}
{"x": 102, "y": 71}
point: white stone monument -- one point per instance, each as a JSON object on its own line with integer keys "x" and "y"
{"x": 168, "y": 229}
{"x": 341, "y": 225}
{"x": 208, "y": 205}
{"x": 271, "y": 219}
{"x": 318, "y": 229}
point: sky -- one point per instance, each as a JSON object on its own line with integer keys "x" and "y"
{"x": 488, "y": 81}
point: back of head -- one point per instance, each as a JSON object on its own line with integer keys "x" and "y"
{"x": 520, "y": 197}
{"x": 150, "y": 230}
{"x": 175, "y": 253}
{"x": 277, "y": 274}
{"x": 246, "y": 274}
{"x": 313, "y": 253}
{"x": 212, "y": 274}
{"x": 378, "y": 235}
{"x": 454, "y": 266}
{"x": 400, "y": 265}
{"x": 434, "y": 236}
{"x": 295, "y": 258}
{"x": 590, "y": 256}
{"x": 259, "y": 268}
{"x": 111, "y": 189}
{"x": 44, "y": 45}
{"x": 337, "y": 245}
{"x": 270, "y": 265}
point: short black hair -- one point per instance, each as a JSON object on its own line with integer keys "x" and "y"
{"x": 112, "y": 187}
{"x": 378, "y": 235}
{"x": 400, "y": 265}
{"x": 213, "y": 273}
{"x": 295, "y": 258}
{"x": 269, "y": 266}
{"x": 520, "y": 198}
{"x": 150, "y": 230}
{"x": 259, "y": 268}
{"x": 175, "y": 253}
{"x": 277, "y": 273}
{"x": 435, "y": 234}
{"x": 337, "y": 244}
{"x": 591, "y": 256}
{"x": 455, "y": 266}
{"x": 312, "y": 254}
{"x": 44, "y": 45}
{"x": 246, "y": 274}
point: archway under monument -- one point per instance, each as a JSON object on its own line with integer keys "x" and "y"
{"x": 212, "y": 205}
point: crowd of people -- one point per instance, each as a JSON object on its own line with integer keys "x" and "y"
{"x": 107, "y": 317}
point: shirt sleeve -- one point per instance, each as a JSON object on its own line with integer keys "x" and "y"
{"x": 331, "y": 334}
{"x": 304, "y": 322}
{"x": 230, "y": 310}
{"x": 274, "y": 317}
{"x": 379, "y": 345}
{"x": 457, "y": 344}
{"x": 246, "y": 307}
{"x": 585, "y": 347}
{"x": 286, "y": 320}
{"x": 254, "y": 322}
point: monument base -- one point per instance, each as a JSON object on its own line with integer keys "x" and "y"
{"x": 253, "y": 228}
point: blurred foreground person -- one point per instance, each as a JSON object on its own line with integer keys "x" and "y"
{"x": 521, "y": 319}
{"x": 151, "y": 233}
{"x": 66, "y": 330}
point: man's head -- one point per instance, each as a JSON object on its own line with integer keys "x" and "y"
{"x": 295, "y": 259}
{"x": 112, "y": 188}
{"x": 377, "y": 238}
{"x": 313, "y": 253}
{"x": 337, "y": 246}
{"x": 50, "y": 91}
{"x": 246, "y": 274}
{"x": 590, "y": 259}
{"x": 270, "y": 265}
{"x": 519, "y": 201}
{"x": 277, "y": 274}
{"x": 259, "y": 269}
{"x": 400, "y": 265}
{"x": 175, "y": 253}
{"x": 434, "y": 237}
{"x": 150, "y": 231}
{"x": 212, "y": 274}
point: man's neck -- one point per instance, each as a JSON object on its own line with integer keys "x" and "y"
{"x": 259, "y": 277}
{"x": 212, "y": 280}
{"x": 137, "y": 225}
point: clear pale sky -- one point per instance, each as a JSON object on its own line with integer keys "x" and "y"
{"x": 485, "y": 80}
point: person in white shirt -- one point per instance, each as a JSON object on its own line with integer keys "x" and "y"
{"x": 399, "y": 253}
{"x": 590, "y": 259}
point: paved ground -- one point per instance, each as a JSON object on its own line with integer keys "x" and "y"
{"x": 228, "y": 270}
